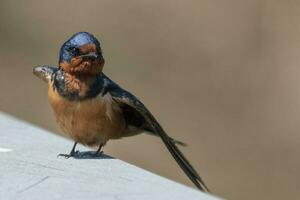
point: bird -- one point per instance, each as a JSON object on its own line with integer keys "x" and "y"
{"x": 91, "y": 109}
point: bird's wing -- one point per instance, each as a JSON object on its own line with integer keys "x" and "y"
{"x": 129, "y": 101}
{"x": 45, "y": 72}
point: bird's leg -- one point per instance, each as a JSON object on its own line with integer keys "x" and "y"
{"x": 71, "y": 154}
{"x": 99, "y": 152}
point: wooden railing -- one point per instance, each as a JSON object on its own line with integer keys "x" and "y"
{"x": 30, "y": 169}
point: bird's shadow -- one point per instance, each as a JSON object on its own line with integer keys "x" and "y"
{"x": 88, "y": 155}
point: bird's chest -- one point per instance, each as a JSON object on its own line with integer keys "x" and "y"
{"x": 91, "y": 121}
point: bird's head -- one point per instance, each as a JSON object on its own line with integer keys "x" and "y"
{"x": 82, "y": 55}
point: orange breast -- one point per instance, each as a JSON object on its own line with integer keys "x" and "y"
{"x": 89, "y": 122}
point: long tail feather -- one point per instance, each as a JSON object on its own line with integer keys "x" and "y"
{"x": 184, "y": 164}
{"x": 180, "y": 159}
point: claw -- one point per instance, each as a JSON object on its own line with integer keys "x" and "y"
{"x": 66, "y": 156}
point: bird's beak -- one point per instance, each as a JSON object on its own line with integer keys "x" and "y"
{"x": 44, "y": 72}
{"x": 91, "y": 55}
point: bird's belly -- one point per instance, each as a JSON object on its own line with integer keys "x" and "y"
{"x": 89, "y": 122}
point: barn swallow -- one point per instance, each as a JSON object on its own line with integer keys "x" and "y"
{"x": 91, "y": 109}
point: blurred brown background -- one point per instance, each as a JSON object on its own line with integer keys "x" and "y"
{"x": 219, "y": 75}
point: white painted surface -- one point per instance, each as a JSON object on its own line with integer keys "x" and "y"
{"x": 33, "y": 171}
{"x": 4, "y": 150}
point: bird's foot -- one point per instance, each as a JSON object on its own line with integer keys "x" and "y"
{"x": 66, "y": 156}
{"x": 98, "y": 153}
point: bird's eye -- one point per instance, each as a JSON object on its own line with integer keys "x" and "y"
{"x": 74, "y": 51}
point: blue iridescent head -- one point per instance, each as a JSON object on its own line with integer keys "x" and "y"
{"x": 81, "y": 54}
